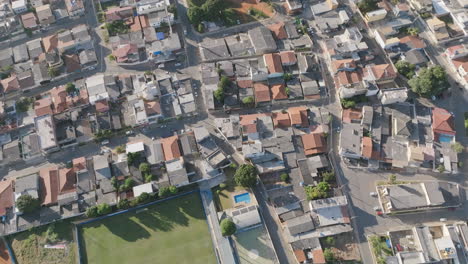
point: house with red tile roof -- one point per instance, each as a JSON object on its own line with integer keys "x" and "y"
{"x": 381, "y": 73}
{"x": 273, "y": 64}
{"x": 456, "y": 52}
{"x": 50, "y": 42}
{"x": 278, "y": 30}
{"x": 366, "y": 147}
{"x": 278, "y": 92}
{"x": 102, "y": 106}
{"x": 72, "y": 63}
{"x": 288, "y": 58}
{"x": 6, "y": 196}
{"x": 55, "y": 182}
{"x": 349, "y": 83}
{"x": 351, "y": 115}
{"x": 79, "y": 164}
{"x": 75, "y": 7}
{"x": 127, "y": 53}
{"x": 10, "y": 84}
{"x": 118, "y": 13}
{"x": 171, "y": 148}
{"x": 413, "y": 42}
{"x": 59, "y": 99}
{"x": 343, "y": 65}
{"x": 281, "y": 120}
{"x": 43, "y": 107}
{"x": 313, "y": 144}
{"x": 262, "y": 93}
{"x": 29, "y": 20}
{"x": 442, "y": 124}
{"x": 298, "y": 116}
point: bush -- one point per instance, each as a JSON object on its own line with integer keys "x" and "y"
{"x": 92, "y": 211}
{"x": 70, "y": 88}
{"x": 246, "y": 175}
{"x": 346, "y": 103}
{"x": 111, "y": 57}
{"x": 23, "y": 104}
{"x": 392, "y": 179}
{"x": 228, "y": 228}
{"x": 457, "y": 147}
{"x": 143, "y": 198}
{"x": 329, "y": 256}
{"x": 149, "y": 177}
{"x": 233, "y": 166}
{"x": 164, "y": 192}
{"x": 329, "y": 176}
{"x": 317, "y": 192}
{"x": 27, "y": 204}
{"x": 103, "y": 209}
{"x": 117, "y": 27}
{"x": 405, "y": 68}
{"x": 367, "y": 6}
{"x": 248, "y": 100}
{"x": 51, "y": 235}
{"x": 330, "y": 241}
{"x": 441, "y": 168}
{"x": 284, "y": 177}
{"x": 120, "y": 149}
{"x": 222, "y": 186}
{"x": 127, "y": 185}
{"x": 173, "y": 189}
{"x": 123, "y": 204}
{"x": 144, "y": 168}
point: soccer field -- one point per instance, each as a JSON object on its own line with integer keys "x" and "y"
{"x": 173, "y": 231}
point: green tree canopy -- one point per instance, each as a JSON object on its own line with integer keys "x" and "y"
{"x": 248, "y": 100}
{"x": 195, "y": 14}
{"x": 92, "y": 211}
{"x": 164, "y": 192}
{"x": 329, "y": 256}
{"x": 173, "y": 189}
{"x": 405, "y": 68}
{"x": 246, "y": 175}
{"x": 228, "y": 228}
{"x": 103, "y": 209}
{"x": 70, "y": 88}
{"x": 27, "y": 204}
{"x": 144, "y": 167}
{"x": 143, "y": 198}
{"x": 123, "y": 204}
{"x": 317, "y": 192}
{"x": 429, "y": 82}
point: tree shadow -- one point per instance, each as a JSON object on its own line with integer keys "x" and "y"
{"x": 126, "y": 229}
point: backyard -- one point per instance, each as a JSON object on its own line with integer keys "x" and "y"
{"x": 379, "y": 247}
{"x": 173, "y": 231}
{"x": 30, "y": 247}
{"x": 223, "y": 196}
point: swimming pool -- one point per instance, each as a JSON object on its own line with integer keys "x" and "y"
{"x": 445, "y": 138}
{"x": 242, "y": 198}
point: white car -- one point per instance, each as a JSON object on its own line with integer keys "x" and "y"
{"x": 178, "y": 64}
{"x": 373, "y": 194}
{"x": 105, "y": 142}
{"x": 160, "y": 66}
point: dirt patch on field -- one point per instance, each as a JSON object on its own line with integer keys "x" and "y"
{"x": 244, "y": 6}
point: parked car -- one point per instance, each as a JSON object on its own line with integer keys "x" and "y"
{"x": 105, "y": 142}
{"x": 129, "y": 132}
{"x": 373, "y": 194}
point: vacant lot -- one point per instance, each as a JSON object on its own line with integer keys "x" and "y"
{"x": 174, "y": 231}
{"x": 28, "y": 247}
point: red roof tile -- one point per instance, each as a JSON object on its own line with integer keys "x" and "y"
{"x": 300, "y": 255}
{"x": 278, "y": 92}
{"x": 288, "y": 57}
{"x": 313, "y": 144}
{"x": 350, "y": 115}
{"x": 250, "y": 119}
{"x": 281, "y": 120}
{"x": 278, "y": 30}
{"x": 383, "y": 71}
{"x": 152, "y": 107}
{"x": 50, "y": 183}
{"x": 318, "y": 257}
{"x": 244, "y": 84}
{"x": 367, "y": 147}
{"x": 262, "y": 92}
{"x": 29, "y": 20}
{"x": 413, "y": 42}
{"x": 102, "y": 106}
{"x": 171, "y": 148}
{"x": 249, "y": 128}
{"x": 10, "y": 84}
{"x": 122, "y": 52}
{"x": 79, "y": 164}
{"x": 6, "y": 196}
{"x": 298, "y": 116}
{"x": 43, "y": 107}
{"x": 67, "y": 180}
{"x": 442, "y": 122}
{"x": 72, "y": 63}
{"x": 273, "y": 62}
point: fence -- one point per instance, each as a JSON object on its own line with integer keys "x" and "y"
{"x": 139, "y": 207}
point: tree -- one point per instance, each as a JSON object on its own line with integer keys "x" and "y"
{"x": 148, "y": 177}
{"x": 246, "y": 175}
{"x": 173, "y": 189}
{"x": 22, "y": 105}
{"x": 127, "y": 185}
{"x": 53, "y": 72}
{"x": 133, "y": 157}
{"x": 287, "y": 76}
{"x": 51, "y": 235}
{"x": 429, "y": 82}
{"x": 172, "y": 9}
{"x": 330, "y": 241}
{"x": 143, "y": 198}
{"x": 200, "y": 28}
{"x": 405, "y": 68}
{"x": 103, "y": 209}
{"x": 27, "y": 204}
{"x": 114, "y": 183}
{"x": 92, "y": 211}
{"x": 228, "y": 228}
{"x": 367, "y": 6}
{"x": 284, "y": 177}
{"x": 348, "y": 103}
{"x": 328, "y": 176}
{"x": 392, "y": 179}
{"x": 120, "y": 149}
{"x": 457, "y": 147}
{"x": 317, "y": 192}
{"x": 329, "y": 256}
{"x": 164, "y": 192}
{"x": 212, "y": 9}
{"x": 413, "y": 31}
{"x": 123, "y": 204}
{"x": 28, "y": 32}
{"x": 248, "y": 100}
{"x": 70, "y": 88}
{"x": 144, "y": 168}
{"x": 441, "y": 168}
{"x": 196, "y": 15}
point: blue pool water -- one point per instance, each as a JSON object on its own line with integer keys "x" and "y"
{"x": 245, "y": 197}
{"x": 445, "y": 138}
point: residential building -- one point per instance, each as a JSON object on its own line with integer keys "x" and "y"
{"x": 273, "y": 63}
{"x": 443, "y": 126}
{"x": 438, "y": 28}
{"x": 75, "y": 7}
{"x": 45, "y": 128}
{"x": 26, "y": 185}
{"x": 127, "y": 53}
{"x": 29, "y": 20}
{"x": 262, "y": 40}
{"x": 118, "y": 13}
{"x": 35, "y": 48}
{"x": 6, "y": 57}
{"x": 44, "y": 15}
{"x": 376, "y": 15}
{"x": 10, "y": 84}
{"x": 313, "y": 144}
{"x": 171, "y": 148}
{"x": 20, "y": 53}
{"x": 19, "y": 6}
{"x": 6, "y": 196}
